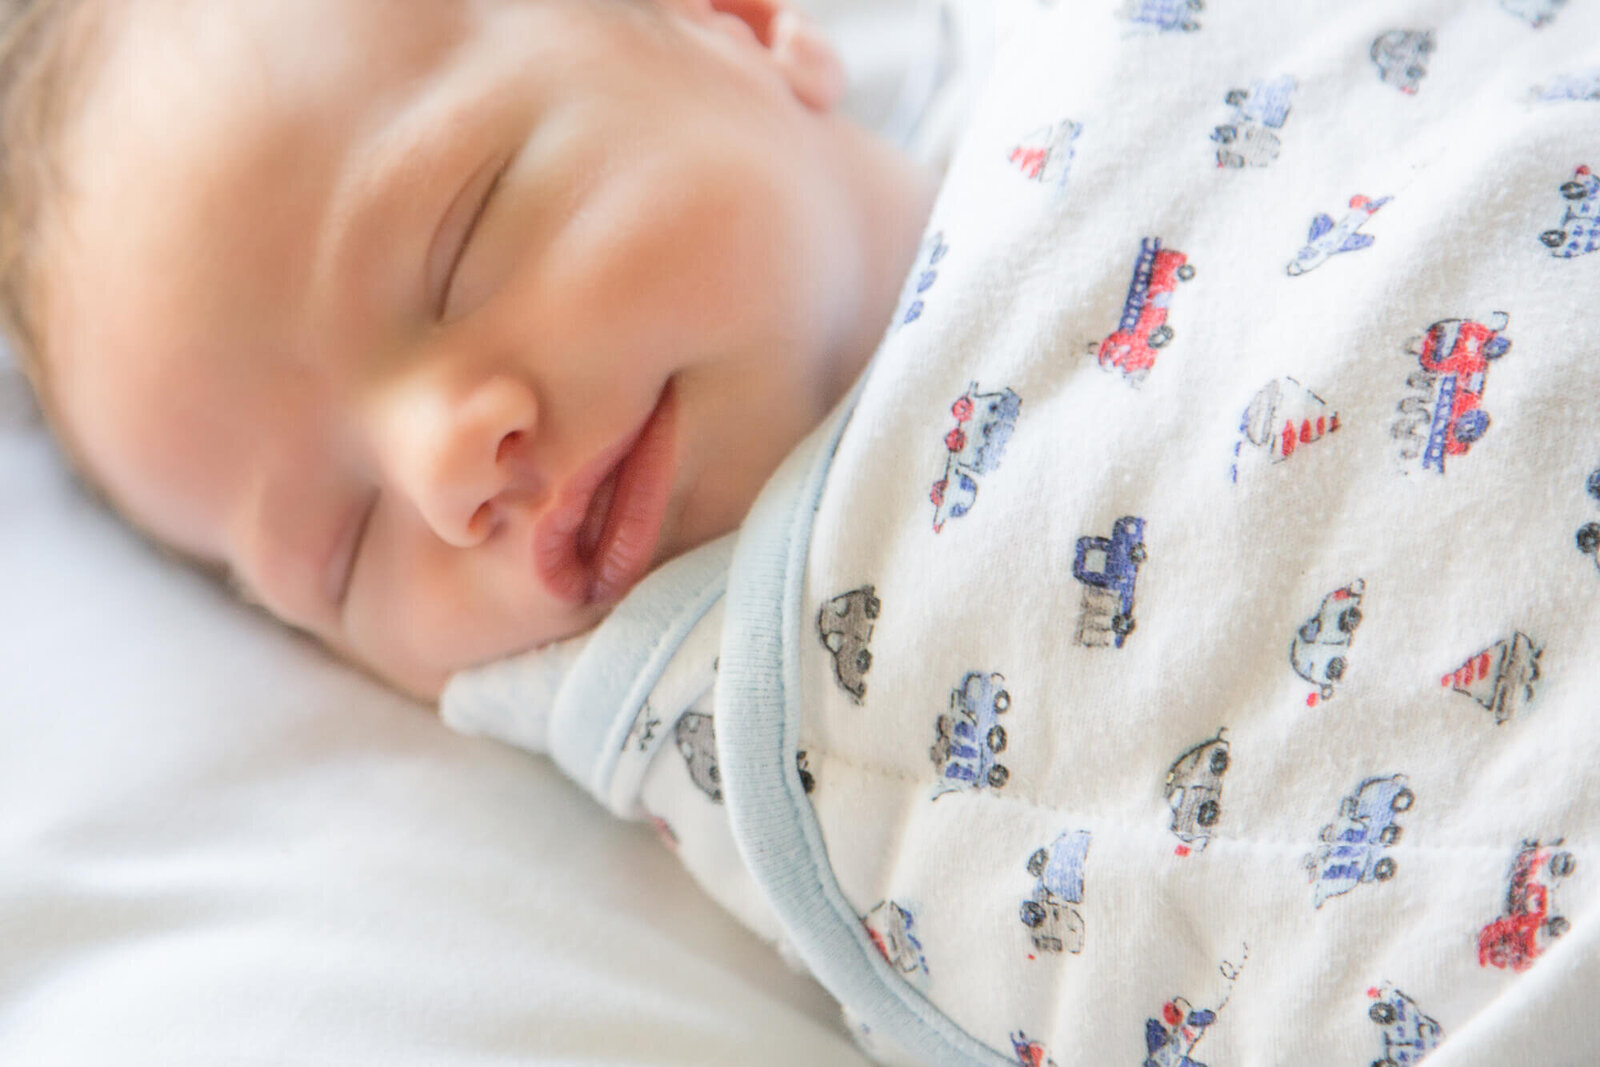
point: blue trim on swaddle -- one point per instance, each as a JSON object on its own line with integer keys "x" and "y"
{"x": 624, "y": 659}
{"x": 758, "y": 726}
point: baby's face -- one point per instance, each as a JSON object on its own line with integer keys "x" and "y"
{"x": 440, "y": 323}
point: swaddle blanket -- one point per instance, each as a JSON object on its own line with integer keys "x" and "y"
{"x": 1182, "y": 648}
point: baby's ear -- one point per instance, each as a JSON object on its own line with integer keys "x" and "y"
{"x": 793, "y": 41}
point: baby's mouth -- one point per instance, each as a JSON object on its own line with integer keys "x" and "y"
{"x": 594, "y": 521}
{"x": 598, "y": 542}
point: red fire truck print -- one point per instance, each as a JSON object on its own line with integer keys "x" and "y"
{"x": 1143, "y": 331}
{"x": 1501, "y": 677}
{"x": 1030, "y": 1053}
{"x": 1443, "y": 414}
{"x": 1045, "y": 155}
{"x": 1530, "y": 923}
{"x": 1282, "y": 416}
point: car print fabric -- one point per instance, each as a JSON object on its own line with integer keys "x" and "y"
{"x": 1181, "y": 648}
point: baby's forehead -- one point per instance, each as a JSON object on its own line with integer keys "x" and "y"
{"x": 198, "y": 168}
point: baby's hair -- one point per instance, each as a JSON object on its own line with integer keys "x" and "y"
{"x": 44, "y": 48}
{"x": 41, "y": 49}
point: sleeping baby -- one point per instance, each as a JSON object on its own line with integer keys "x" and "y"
{"x": 1135, "y": 605}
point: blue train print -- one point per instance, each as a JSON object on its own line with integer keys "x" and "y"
{"x": 969, "y": 736}
{"x": 1354, "y": 846}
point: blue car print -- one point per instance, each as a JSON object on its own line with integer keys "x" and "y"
{"x": 970, "y": 736}
{"x": 1051, "y": 913}
{"x": 1353, "y": 849}
{"x": 1408, "y": 1035}
{"x": 1401, "y": 57}
{"x": 1109, "y": 566}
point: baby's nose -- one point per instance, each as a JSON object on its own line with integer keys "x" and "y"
{"x": 460, "y": 456}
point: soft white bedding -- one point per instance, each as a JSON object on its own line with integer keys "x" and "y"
{"x": 218, "y": 846}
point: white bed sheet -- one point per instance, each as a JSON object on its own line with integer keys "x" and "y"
{"x": 218, "y": 846}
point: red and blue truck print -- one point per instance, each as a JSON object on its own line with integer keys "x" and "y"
{"x": 1143, "y": 328}
{"x": 1578, "y": 232}
{"x": 1443, "y": 414}
{"x": 1170, "y": 1040}
{"x": 1051, "y": 913}
{"x": 1354, "y": 846}
{"x": 969, "y": 736}
{"x": 984, "y": 423}
{"x": 1408, "y": 1035}
{"x": 1458, "y": 351}
{"x": 1518, "y": 937}
{"x": 1109, "y": 569}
